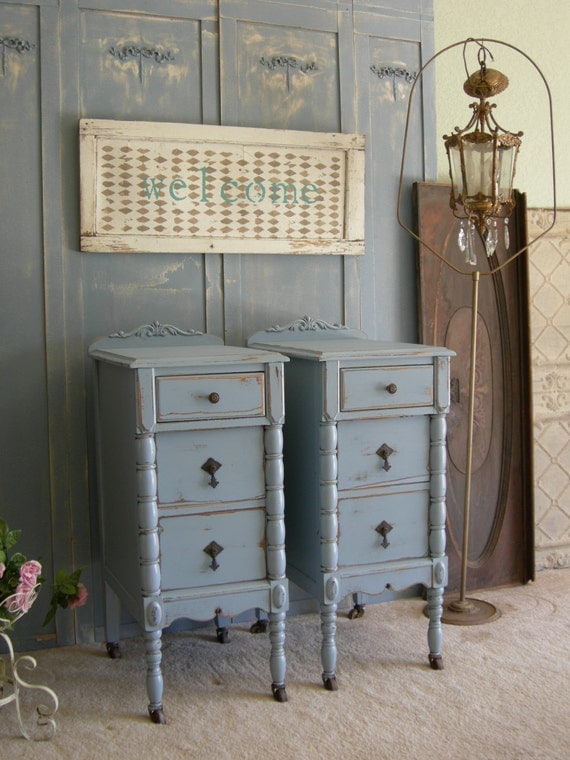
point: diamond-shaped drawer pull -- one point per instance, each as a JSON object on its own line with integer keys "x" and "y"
{"x": 211, "y": 467}
{"x": 212, "y": 550}
{"x": 384, "y": 452}
{"x": 383, "y": 529}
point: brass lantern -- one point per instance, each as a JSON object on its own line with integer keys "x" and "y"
{"x": 482, "y": 161}
{"x": 482, "y": 166}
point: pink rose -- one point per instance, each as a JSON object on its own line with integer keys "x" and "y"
{"x": 2, "y": 568}
{"x": 29, "y": 574}
{"x": 80, "y": 598}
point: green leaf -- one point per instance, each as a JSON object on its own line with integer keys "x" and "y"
{"x": 12, "y": 537}
{"x": 51, "y": 613}
{"x": 17, "y": 560}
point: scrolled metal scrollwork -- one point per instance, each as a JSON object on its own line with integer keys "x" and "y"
{"x": 140, "y": 53}
{"x": 10, "y": 675}
{"x": 15, "y": 44}
{"x": 394, "y": 73}
{"x": 290, "y": 64}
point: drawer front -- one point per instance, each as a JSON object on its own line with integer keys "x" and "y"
{"x": 184, "y": 460}
{"x": 386, "y": 387}
{"x": 237, "y": 537}
{"x": 377, "y": 452}
{"x": 210, "y": 396}
{"x": 383, "y": 528}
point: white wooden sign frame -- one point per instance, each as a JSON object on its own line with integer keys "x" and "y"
{"x": 184, "y": 188}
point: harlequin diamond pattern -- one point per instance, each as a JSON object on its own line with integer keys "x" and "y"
{"x": 549, "y": 276}
{"x": 220, "y": 191}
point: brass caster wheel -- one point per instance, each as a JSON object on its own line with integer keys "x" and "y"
{"x": 330, "y": 683}
{"x": 260, "y": 626}
{"x": 157, "y": 716}
{"x": 279, "y": 693}
{"x": 113, "y": 650}
{"x": 223, "y": 635}
{"x": 356, "y": 612}
{"x": 436, "y": 661}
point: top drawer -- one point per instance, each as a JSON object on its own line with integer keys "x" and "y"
{"x": 386, "y": 387}
{"x": 188, "y": 397}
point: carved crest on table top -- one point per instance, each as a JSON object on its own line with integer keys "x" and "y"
{"x": 307, "y": 323}
{"x": 153, "y": 330}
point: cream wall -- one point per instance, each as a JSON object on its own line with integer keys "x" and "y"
{"x": 539, "y": 28}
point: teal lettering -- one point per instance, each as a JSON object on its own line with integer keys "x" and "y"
{"x": 261, "y": 191}
{"x": 276, "y": 185}
{"x": 309, "y": 188}
{"x": 174, "y": 185}
{"x": 223, "y": 191}
{"x": 204, "y": 171}
{"x": 232, "y": 191}
{"x": 151, "y": 188}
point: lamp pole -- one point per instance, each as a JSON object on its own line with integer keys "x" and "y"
{"x": 465, "y": 611}
{"x": 461, "y": 603}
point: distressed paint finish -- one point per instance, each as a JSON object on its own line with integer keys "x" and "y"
{"x": 386, "y": 277}
{"x": 359, "y": 522}
{"x": 255, "y": 95}
{"x": 152, "y": 187}
{"x": 56, "y": 299}
{"x": 32, "y": 391}
{"x": 197, "y": 548}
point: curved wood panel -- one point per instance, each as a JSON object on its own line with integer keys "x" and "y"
{"x": 500, "y": 530}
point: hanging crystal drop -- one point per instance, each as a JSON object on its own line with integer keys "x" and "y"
{"x": 462, "y": 237}
{"x": 506, "y": 233}
{"x": 491, "y": 237}
{"x": 471, "y": 258}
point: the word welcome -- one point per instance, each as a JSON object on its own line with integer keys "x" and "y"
{"x": 231, "y": 191}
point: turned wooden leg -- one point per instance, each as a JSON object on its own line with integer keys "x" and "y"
{"x": 328, "y": 646}
{"x": 154, "y": 681}
{"x": 277, "y": 664}
{"x": 435, "y": 634}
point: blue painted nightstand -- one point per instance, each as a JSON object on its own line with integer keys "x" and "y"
{"x": 365, "y": 469}
{"x": 189, "y": 439}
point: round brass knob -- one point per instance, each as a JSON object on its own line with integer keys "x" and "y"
{"x": 392, "y": 388}
{"x": 214, "y": 397}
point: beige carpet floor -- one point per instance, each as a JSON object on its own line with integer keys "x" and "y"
{"x": 504, "y": 692}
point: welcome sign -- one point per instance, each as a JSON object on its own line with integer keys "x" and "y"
{"x": 150, "y": 187}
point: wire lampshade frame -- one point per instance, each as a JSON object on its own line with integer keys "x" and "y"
{"x": 482, "y": 44}
{"x": 464, "y": 611}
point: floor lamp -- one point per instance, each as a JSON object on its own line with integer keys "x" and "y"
{"x": 482, "y": 161}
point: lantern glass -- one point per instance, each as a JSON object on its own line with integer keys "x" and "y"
{"x": 479, "y": 178}
{"x": 506, "y": 171}
{"x": 454, "y": 155}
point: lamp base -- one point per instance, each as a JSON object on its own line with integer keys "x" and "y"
{"x": 469, "y": 612}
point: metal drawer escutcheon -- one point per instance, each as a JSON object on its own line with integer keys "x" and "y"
{"x": 383, "y": 529}
{"x": 211, "y": 467}
{"x": 384, "y": 452}
{"x": 212, "y": 550}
